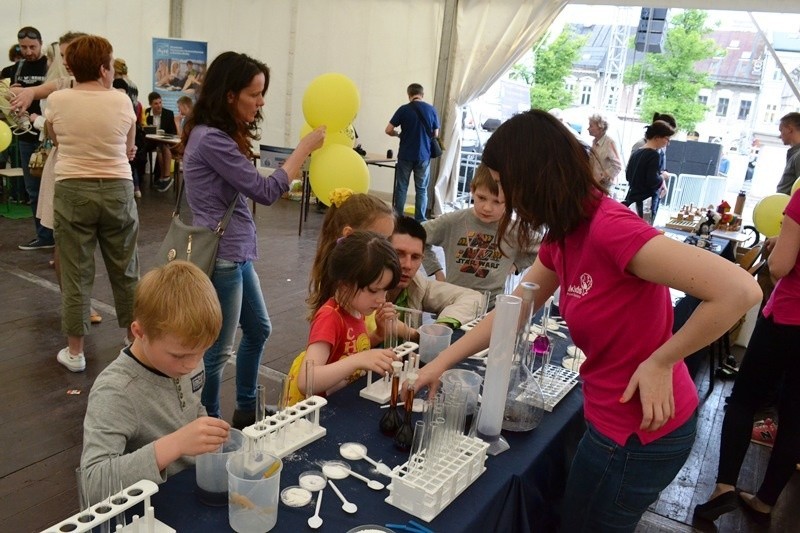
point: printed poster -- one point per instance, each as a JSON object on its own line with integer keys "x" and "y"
{"x": 179, "y": 67}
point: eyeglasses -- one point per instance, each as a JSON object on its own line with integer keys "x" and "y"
{"x": 30, "y": 34}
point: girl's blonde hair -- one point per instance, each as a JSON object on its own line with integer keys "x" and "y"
{"x": 178, "y": 298}
{"x": 358, "y": 211}
{"x": 355, "y": 261}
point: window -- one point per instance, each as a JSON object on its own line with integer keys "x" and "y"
{"x": 722, "y": 107}
{"x": 744, "y": 109}
{"x": 586, "y": 94}
{"x": 770, "y": 112}
{"x": 777, "y": 75}
{"x": 703, "y": 99}
{"x": 639, "y": 96}
{"x": 611, "y": 102}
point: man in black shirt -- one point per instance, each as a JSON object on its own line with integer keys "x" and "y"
{"x": 32, "y": 71}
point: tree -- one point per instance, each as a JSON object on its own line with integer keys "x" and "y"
{"x": 552, "y": 64}
{"x": 672, "y": 84}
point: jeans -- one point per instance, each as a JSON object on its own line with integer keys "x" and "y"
{"x": 239, "y": 292}
{"x": 610, "y": 486}
{"x": 771, "y": 365}
{"x": 402, "y": 173}
{"x": 32, "y": 184}
{"x": 88, "y": 212}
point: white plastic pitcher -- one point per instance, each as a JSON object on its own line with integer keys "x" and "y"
{"x": 433, "y": 338}
{"x": 254, "y": 483}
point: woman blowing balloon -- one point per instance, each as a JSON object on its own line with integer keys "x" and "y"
{"x": 218, "y": 171}
{"x": 614, "y": 272}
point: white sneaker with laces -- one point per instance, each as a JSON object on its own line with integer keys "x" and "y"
{"x": 74, "y": 363}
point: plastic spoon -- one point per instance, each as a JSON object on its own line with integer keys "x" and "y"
{"x": 356, "y": 450}
{"x": 315, "y": 521}
{"x": 347, "y": 507}
{"x": 371, "y": 483}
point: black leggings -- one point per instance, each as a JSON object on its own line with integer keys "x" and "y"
{"x": 772, "y": 359}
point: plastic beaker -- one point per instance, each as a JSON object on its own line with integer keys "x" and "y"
{"x": 470, "y": 385}
{"x": 212, "y": 476}
{"x": 433, "y": 338}
{"x": 254, "y": 483}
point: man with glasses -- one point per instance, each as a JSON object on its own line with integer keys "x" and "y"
{"x": 31, "y": 71}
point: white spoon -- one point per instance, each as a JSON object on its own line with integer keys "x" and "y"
{"x": 371, "y": 483}
{"x": 314, "y": 522}
{"x": 356, "y": 450}
{"x": 347, "y": 507}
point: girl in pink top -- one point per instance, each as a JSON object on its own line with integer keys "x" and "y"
{"x": 771, "y": 364}
{"x": 614, "y": 272}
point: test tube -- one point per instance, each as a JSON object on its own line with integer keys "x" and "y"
{"x": 487, "y": 299}
{"x": 115, "y": 488}
{"x": 415, "y": 458}
{"x": 309, "y": 377}
{"x": 261, "y": 404}
{"x": 412, "y": 322}
{"x": 390, "y": 333}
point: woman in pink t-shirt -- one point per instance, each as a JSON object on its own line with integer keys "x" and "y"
{"x": 614, "y": 272}
{"x": 771, "y": 365}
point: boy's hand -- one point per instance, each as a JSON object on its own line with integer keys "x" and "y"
{"x": 204, "y": 435}
{"x": 376, "y": 360}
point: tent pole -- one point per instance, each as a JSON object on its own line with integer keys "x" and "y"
{"x": 443, "y": 73}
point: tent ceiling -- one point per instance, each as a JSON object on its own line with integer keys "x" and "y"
{"x": 770, "y": 6}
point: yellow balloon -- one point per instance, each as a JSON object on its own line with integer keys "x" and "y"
{"x": 333, "y": 137}
{"x": 795, "y": 186}
{"x": 336, "y": 166}
{"x": 5, "y": 136}
{"x": 331, "y": 100}
{"x": 768, "y": 214}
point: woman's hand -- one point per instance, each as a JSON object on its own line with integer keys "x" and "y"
{"x": 653, "y": 379}
{"x": 313, "y": 140}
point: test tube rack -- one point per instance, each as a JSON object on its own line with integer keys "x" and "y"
{"x": 425, "y": 492}
{"x": 288, "y": 430}
{"x": 380, "y": 391}
{"x": 555, "y": 384}
{"x": 119, "y": 503}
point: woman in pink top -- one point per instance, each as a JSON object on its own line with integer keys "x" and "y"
{"x": 771, "y": 364}
{"x": 614, "y": 272}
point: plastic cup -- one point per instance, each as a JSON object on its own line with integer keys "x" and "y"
{"x": 470, "y": 385}
{"x": 433, "y": 338}
{"x": 254, "y": 481}
{"x": 212, "y": 476}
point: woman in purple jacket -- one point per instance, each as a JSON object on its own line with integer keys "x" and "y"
{"x": 217, "y": 171}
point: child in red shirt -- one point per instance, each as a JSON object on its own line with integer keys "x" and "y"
{"x": 361, "y": 268}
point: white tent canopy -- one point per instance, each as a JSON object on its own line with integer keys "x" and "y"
{"x": 455, "y": 48}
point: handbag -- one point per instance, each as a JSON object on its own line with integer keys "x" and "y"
{"x": 437, "y": 148}
{"x": 196, "y": 244}
{"x": 39, "y": 158}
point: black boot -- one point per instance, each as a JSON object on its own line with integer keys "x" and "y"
{"x": 242, "y": 419}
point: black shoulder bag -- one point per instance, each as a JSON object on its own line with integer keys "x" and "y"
{"x": 436, "y": 144}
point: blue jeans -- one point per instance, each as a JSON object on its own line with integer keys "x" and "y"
{"x": 402, "y": 173}
{"x": 239, "y": 292}
{"x": 610, "y": 486}
{"x": 32, "y": 184}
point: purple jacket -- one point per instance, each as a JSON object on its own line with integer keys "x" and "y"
{"x": 214, "y": 171}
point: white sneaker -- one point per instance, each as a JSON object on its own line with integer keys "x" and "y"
{"x": 74, "y": 363}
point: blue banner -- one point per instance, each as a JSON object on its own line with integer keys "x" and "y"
{"x": 179, "y": 67}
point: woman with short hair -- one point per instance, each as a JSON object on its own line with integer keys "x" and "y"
{"x": 94, "y": 127}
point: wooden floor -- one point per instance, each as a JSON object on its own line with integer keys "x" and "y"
{"x": 41, "y": 437}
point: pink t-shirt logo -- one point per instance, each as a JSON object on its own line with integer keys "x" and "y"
{"x": 583, "y": 289}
